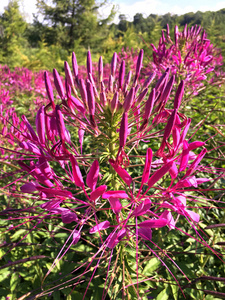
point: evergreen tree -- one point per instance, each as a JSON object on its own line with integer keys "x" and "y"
{"x": 74, "y": 20}
{"x": 12, "y": 38}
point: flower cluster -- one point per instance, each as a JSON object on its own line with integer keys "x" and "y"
{"x": 85, "y": 159}
{"x": 191, "y": 57}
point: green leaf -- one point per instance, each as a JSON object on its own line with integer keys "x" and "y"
{"x": 163, "y": 295}
{"x": 14, "y": 281}
{"x": 151, "y": 266}
{"x": 17, "y": 234}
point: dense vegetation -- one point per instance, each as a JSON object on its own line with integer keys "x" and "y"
{"x": 112, "y": 175}
{"x": 77, "y": 26}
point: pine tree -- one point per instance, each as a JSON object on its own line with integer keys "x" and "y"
{"x": 12, "y": 39}
{"x": 74, "y": 20}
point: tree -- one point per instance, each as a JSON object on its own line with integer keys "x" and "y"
{"x": 12, "y": 39}
{"x": 75, "y": 20}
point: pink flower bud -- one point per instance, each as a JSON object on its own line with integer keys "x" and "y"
{"x": 60, "y": 124}
{"x": 83, "y": 92}
{"x": 141, "y": 96}
{"x": 40, "y": 125}
{"x": 49, "y": 89}
{"x": 147, "y": 167}
{"x": 103, "y": 99}
{"x": 110, "y": 83}
{"x": 123, "y": 129}
{"x": 30, "y": 128}
{"x": 91, "y": 98}
{"x": 68, "y": 73}
{"x": 149, "y": 104}
{"x": 179, "y": 95}
{"x": 121, "y": 74}
{"x": 138, "y": 66}
{"x": 127, "y": 81}
{"x": 114, "y": 102}
{"x": 173, "y": 171}
{"x": 89, "y": 63}
{"x": 195, "y": 145}
{"x": 100, "y": 69}
{"x": 129, "y": 100}
{"x": 58, "y": 84}
{"x": 148, "y": 80}
{"x": 113, "y": 64}
{"x": 167, "y": 90}
{"x": 74, "y": 65}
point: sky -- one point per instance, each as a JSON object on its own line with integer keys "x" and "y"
{"x": 131, "y": 7}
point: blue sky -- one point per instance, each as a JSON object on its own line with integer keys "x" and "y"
{"x": 131, "y": 7}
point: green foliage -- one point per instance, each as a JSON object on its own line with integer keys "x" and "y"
{"x": 12, "y": 41}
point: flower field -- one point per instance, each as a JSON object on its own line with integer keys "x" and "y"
{"x": 112, "y": 175}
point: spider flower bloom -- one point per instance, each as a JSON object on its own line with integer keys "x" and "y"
{"x": 100, "y": 179}
{"x": 191, "y": 57}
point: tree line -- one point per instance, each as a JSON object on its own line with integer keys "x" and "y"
{"x": 62, "y": 26}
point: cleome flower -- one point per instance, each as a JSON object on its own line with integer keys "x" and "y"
{"x": 113, "y": 159}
